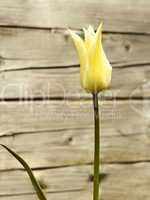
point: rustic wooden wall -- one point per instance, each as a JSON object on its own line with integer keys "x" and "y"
{"x": 47, "y": 118}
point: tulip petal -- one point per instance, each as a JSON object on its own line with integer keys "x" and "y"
{"x": 95, "y": 70}
{"x": 98, "y": 39}
{"x": 83, "y": 56}
{"x": 99, "y": 51}
{"x": 99, "y": 30}
{"x": 88, "y": 39}
{"x": 97, "y": 47}
{"x": 100, "y": 71}
{"x": 91, "y": 30}
{"x": 81, "y": 49}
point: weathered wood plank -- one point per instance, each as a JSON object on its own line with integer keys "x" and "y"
{"x": 71, "y": 195}
{"x": 133, "y": 182}
{"x": 56, "y": 134}
{"x": 32, "y": 52}
{"x": 54, "y": 180}
{"x": 23, "y": 48}
{"x": 61, "y": 133}
{"x": 130, "y": 82}
{"x": 123, "y": 16}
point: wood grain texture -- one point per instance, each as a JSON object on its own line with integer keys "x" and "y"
{"x": 61, "y": 133}
{"x": 64, "y": 83}
{"x": 47, "y": 118}
{"x": 28, "y": 48}
{"x": 30, "y": 68}
{"x": 132, "y": 179}
{"x": 122, "y": 16}
{"x": 81, "y": 195}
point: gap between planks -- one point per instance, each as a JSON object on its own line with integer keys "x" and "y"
{"x": 63, "y": 30}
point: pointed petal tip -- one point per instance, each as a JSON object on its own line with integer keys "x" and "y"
{"x": 86, "y": 32}
{"x": 70, "y": 31}
{"x": 91, "y": 30}
{"x": 90, "y": 27}
{"x": 101, "y": 23}
{"x": 73, "y": 35}
{"x": 99, "y": 29}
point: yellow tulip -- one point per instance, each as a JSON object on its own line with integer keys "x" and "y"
{"x": 95, "y": 69}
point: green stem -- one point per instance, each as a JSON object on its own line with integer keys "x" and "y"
{"x": 96, "y": 148}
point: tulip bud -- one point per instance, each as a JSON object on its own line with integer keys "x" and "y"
{"x": 95, "y": 69}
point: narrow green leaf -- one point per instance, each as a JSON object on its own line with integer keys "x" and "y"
{"x": 35, "y": 184}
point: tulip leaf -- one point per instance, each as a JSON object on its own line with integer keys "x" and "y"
{"x": 35, "y": 183}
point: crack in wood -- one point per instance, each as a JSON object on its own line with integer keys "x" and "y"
{"x": 122, "y": 66}
{"x": 13, "y": 134}
{"x": 116, "y": 65}
{"x": 70, "y": 98}
{"x": 47, "y": 192}
{"x": 45, "y": 168}
{"x": 64, "y": 30}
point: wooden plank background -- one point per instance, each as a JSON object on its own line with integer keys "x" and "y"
{"x": 48, "y": 119}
